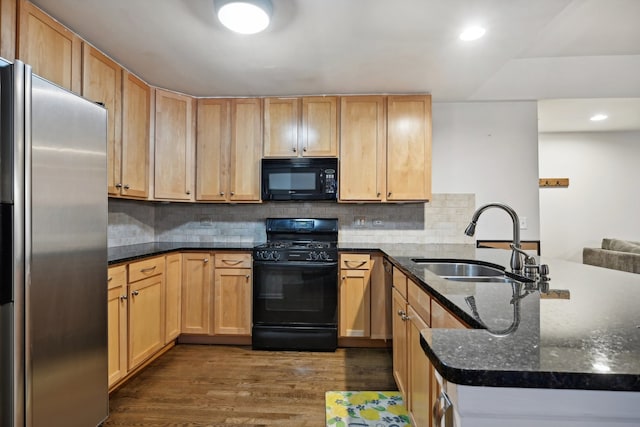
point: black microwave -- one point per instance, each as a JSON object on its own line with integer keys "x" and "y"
{"x": 299, "y": 179}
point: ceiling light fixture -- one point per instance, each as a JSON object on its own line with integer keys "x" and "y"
{"x": 472, "y": 33}
{"x": 244, "y": 16}
{"x": 598, "y": 117}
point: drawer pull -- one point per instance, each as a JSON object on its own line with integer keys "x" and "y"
{"x": 135, "y": 293}
{"x": 360, "y": 264}
{"x": 232, "y": 261}
{"x": 123, "y": 297}
{"x": 146, "y": 270}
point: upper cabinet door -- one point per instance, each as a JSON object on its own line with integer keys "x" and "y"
{"x": 362, "y": 145}
{"x": 213, "y": 140}
{"x": 136, "y": 112}
{"x": 319, "y": 136}
{"x": 51, "y": 49}
{"x": 246, "y": 149}
{"x": 174, "y": 146}
{"x": 409, "y": 148}
{"x": 281, "y": 123}
{"x": 102, "y": 82}
{"x": 8, "y": 13}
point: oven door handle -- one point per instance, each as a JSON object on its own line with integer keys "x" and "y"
{"x": 295, "y": 264}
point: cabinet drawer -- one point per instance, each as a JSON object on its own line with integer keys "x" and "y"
{"x": 420, "y": 301}
{"x": 146, "y": 268}
{"x": 355, "y": 261}
{"x": 400, "y": 282}
{"x": 117, "y": 277}
{"x": 232, "y": 260}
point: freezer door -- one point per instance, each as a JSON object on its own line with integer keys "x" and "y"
{"x": 13, "y": 83}
{"x": 66, "y": 310}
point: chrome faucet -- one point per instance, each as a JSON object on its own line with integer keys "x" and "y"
{"x": 516, "y": 261}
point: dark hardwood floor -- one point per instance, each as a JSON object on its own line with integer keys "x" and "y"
{"x": 206, "y": 385}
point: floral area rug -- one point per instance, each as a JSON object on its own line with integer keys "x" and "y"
{"x": 366, "y": 409}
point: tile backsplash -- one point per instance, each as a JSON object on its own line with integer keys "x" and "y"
{"x": 442, "y": 220}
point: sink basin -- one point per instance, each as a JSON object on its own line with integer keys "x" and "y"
{"x": 483, "y": 279}
{"x": 467, "y": 271}
{"x": 449, "y": 269}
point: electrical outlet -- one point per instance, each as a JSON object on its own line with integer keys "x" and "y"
{"x": 360, "y": 221}
{"x": 523, "y": 223}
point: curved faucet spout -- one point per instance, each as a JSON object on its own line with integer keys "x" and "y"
{"x": 516, "y": 261}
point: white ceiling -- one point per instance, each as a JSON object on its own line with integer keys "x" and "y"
{"x": 573, "y": 115}
{"x": 533, "y": 49}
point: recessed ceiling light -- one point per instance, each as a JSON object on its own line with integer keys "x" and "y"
{"x": 472, "y": 33}
{"x": 244, "y": 16}
{"x": 599, "y": 117}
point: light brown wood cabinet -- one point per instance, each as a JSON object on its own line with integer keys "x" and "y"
{"x": 52, "y": 50}
{"x": 385, "y": 149}
{"x": 232, "y": 294}
{"x": 117, "y": 308}
{"x": 408, "y": 147}
{"x": 281, "y": 127}
{"x": 136, "y": 113}
{"x": 146, "y": 309}
{"x": 102, "y": 82}
{"x": 400, "y": 332}
{"x": 381, "y": 299}
{"x": 301, "y": 127}
{"x": 174, "y": 146}
{"x": 362, "y": 148}
{"x": 197, "y": 273}
{"x": 8, "y": 21}
{"x": 355, "y": 295}
{"x": 414, "y": 310}
{"x": 173, "y": 297}
{"x": 229, "y": 150}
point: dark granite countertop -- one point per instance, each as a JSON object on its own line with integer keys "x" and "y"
{"x": 119, "y": 254}
{"x": 585, "y": 337}
{"x": 589, "y": 341}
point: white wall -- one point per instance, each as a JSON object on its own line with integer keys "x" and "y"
{"x": 603, "y": 197}
{"x": 490, "y": 149}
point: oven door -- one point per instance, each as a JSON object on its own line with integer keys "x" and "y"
{"x": 295, "y": 293}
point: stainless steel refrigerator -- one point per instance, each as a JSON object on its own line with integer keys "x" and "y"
{"x": 53, "y": 254}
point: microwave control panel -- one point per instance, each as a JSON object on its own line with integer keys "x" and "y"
{"x": 330, "y": 181}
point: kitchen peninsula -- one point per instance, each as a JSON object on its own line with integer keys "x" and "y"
{"x": 578, "y": 341}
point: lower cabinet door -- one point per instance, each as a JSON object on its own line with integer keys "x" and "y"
{"x": 419, "y": 393}
{"x": 232, "y": 301}
{"x": 173, "y": 300}
{"x": 399, "y": 326}
{"x": 117, "y": 323}
{"x": 146, "y": 319}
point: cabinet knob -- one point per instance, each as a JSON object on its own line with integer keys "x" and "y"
{"x": 188, "y": 192}
{"x": 109, "y": 279}
{"x": 206, "y": 260}
{"x": 304, "y": 149}
{"x": 295, "y": 150}
{"x": 118, "y": 185}
{"x": 232, "y": 193}
{"x": 247, "y": 276}
{"x": 222, "y": 193}
{"x": 389, "y": 194}
{"x": 123, "y": 297}
{"x": 135, "y": 293}
{"x": 401, "y": 313}
{"x": 126, "y": 186}
{"x": 378, "y": 195}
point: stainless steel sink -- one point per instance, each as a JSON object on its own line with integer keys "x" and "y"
{"x": 459, "y": 268}
{"x": 483, "y": 279}
{"x": 466, "y": 271}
